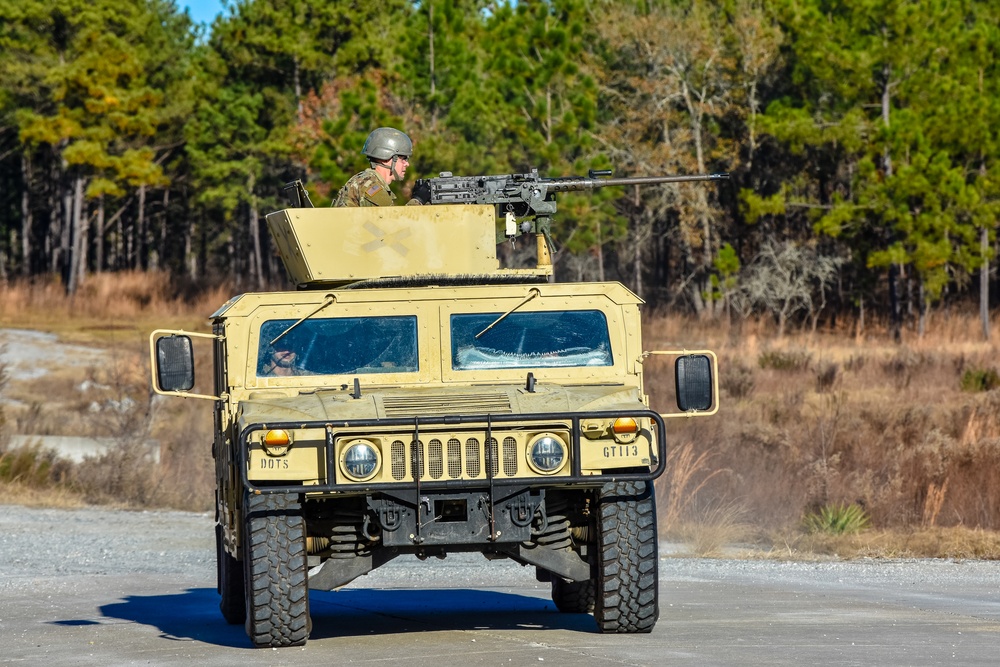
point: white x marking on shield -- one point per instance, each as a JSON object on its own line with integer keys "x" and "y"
{"x": 383, "y": 240}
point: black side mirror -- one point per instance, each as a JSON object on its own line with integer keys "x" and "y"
{"x": 693, "y": 375}
{"x": 174, "y": 363}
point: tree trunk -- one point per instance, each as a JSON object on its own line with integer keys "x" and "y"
{"x": 886, "y": 106}
{"x": 298, "y": 86}
{"x": 161, "y": 241}
{"x": 26, "y": 217}
{"x": 984, "y": 283}
{"x": 258, "y": 256}
{"x": 922, "y": 317}
{"x": 139, "y": 257}
{"x": 62, "y": 255}
{"x": 430, "y": 63}
{"x": 235, "y": 274}
{"x": 697, "y": 300}
{"x": 861, "y": 318}
{"x": 190, "y": 259}
{"x": 81, "y": 224}
{"x": 123, "y": 246}
{"x": 637, "y": 249}
{"x": 99, "y": 237}
{"x": 201, "y": 267}
{"x": 638, "y": 270}
{"x": 895, "y": 314}
{"x": 74, "y": 237}
{"x": 257, "y": 270}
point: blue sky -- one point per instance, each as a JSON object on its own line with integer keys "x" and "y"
{"x": 203, "y": 11}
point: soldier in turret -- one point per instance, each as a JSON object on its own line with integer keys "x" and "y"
{"x": 388, "y": 151}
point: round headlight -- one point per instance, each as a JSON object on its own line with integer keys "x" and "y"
{"x": 547, "y": 454}
{"x": 360, "y": 461}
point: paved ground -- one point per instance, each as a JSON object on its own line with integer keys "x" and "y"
{"x": 95, "y": 587}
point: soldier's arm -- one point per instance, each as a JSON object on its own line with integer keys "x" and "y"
{"x": 348, "y": 196}
{"x": 376, "y": 194}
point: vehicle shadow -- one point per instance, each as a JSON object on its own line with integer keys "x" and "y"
{"x": 356, "y": 612}
{"x": 194, "y": 614}
{"x": 191, "y": 615}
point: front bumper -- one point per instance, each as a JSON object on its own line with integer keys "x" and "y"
{"x": 467, "y": 428}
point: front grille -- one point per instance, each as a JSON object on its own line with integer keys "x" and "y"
{"x": 509, "y": 457}
{"x": 472, "y": 458}
{"x": 446, "y": 404}
{"x": 454, "y": 458}
{"x": 436, "y": 459}
{"x": 398, "y": 450}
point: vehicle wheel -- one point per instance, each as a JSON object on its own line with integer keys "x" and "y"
{"x": 231, "y": 584}
{"x": 277, "y": 593}
{"x": 627, "y": 558}
{"x": 573, "y": 597}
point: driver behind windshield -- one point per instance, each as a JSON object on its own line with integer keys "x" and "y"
{"x": 283, "y": 359}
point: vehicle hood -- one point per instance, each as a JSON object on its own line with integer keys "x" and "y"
{"x": 262, "y": 407}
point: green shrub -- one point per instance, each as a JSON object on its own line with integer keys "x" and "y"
{"x": 31, "y": 465}
{"x": 980, "y": 379}
{"x": 837, "y": 519}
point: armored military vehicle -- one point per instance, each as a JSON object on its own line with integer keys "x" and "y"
{"x": 413, "y": 398}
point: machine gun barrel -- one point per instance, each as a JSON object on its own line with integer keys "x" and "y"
{"x": 527, "y": 202}
{"x": 571, "y": 184}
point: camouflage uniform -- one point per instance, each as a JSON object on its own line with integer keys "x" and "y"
{"x": 365, "y": 189}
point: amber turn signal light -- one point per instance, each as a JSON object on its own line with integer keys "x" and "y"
{"x": 625, "y": 425}
{"x": 277, "y": 438}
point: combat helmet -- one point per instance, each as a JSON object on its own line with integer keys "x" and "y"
{"x": 385, "y": 143}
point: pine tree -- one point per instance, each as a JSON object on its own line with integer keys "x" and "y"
{"x": 98, "y": 96}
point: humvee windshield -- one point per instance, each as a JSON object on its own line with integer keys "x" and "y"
{"x": 549, "y": 339}
{"x": 343, "y": 345}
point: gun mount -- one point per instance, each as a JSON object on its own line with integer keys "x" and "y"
{"x": 527, "y": 202}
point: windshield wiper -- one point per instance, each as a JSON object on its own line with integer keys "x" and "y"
{"x": 532, "y": 293}
{"x": 330, "y": 298}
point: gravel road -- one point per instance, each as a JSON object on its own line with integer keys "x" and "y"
{"x": 100, "y": 587}
{"x": 102, "y": 542}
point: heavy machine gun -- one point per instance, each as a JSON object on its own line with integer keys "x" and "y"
{"x": 527, "y": 202}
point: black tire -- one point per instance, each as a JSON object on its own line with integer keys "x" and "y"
{"x": 573, "y": 597}
{"x": 230, "y": 583}
{"x": 277, "y": 591}
{"x": 627, "y": 559}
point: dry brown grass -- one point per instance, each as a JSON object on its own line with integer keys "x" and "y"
{"x": 827, "y": 418}
{"x": 109, "y": 307}
{"x": 713, "y": 530}
{"x": 114, "y": 312}
{"x": 28, "y": 495}
{"x": 955, "y": 542}
{"x": 688, "y": 473}
{"x": 812, "y": 420}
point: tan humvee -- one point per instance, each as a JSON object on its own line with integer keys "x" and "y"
{"x": 415, "y": 398}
